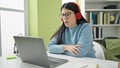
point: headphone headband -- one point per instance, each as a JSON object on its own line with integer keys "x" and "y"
{"x": 78, "y": 14}
{"x": 77, "y": 6}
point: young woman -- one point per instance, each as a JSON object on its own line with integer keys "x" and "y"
{"x": 74, "y": 37}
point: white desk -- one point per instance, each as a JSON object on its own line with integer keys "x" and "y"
{"x": 17, "y": 63}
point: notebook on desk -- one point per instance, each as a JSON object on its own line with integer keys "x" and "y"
{"x": 32, "y": 50}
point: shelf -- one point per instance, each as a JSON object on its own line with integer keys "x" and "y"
{"x": 112, "y": 25}
{"x": 105, "y": 22}
{"x": 94, "y": 1}
{"x": 96, "y": 39}
{"x": 104, "y": 10}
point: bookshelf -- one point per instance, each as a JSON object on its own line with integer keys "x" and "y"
{"x": 105, "y": 19}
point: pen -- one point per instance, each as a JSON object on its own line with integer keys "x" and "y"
{"x": 84, "y": 66}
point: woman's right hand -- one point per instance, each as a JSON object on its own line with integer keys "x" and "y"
{"x": 73, "y": 49}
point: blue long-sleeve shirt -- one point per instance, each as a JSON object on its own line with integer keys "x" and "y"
{"x": 78, "y": 35}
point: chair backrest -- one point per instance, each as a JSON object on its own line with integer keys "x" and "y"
{"x": 104, "y": 43}
{"x": 99, "y": 50}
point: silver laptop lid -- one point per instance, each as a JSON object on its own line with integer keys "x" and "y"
{"x": 32, "y": 50}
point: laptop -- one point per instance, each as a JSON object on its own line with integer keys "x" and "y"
{"x": 32, "y": 50}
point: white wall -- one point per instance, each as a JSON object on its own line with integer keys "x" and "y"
{"x": 82, "y": 6}
{"x": 65, "y": 1}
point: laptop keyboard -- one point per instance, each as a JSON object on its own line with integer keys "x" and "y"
{"x": 53, "y": 60}
{"x": 56, "y": 61}
{"x": 53, "y": 63}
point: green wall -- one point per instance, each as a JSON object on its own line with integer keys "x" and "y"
{"x": 32, "y": 18}
{"x": 43, "y": 18}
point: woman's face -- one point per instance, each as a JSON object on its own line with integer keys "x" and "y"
{"x": 68, "y": 18}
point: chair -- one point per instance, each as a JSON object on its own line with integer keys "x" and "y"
{"x": 111, "y": 47}
{"x": 99, "y": 50}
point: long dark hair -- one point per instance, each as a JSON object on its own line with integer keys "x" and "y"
{"x": 73, "y": 7}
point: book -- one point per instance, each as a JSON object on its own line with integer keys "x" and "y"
{"x": 97, "y": 32}
{"x": 85, "y": 65}
{"x": 105, "y": 18}
{"x": 88, "y": 16}
{"x": 100, "y": 32}
{"x": 101, "y": 18}
{"x": 91, "y": 19}
{"x": 108, "y": 18}
{"x": 117, "y": 19}
{"x": 94, "y": 32}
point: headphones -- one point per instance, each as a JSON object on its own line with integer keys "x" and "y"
{"x": 78, "y": 14}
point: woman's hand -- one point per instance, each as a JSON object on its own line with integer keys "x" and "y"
{"x": 73, "y": 49}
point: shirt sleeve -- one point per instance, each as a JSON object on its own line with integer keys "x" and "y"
{"x": 85, "y": 40}
{"x": 53, "y": 47}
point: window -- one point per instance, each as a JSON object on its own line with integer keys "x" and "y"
{"x": 12, "y": 22}
{"x": 13, "y": 4}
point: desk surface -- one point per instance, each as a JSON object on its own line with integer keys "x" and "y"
{"x": 17, "y": 63}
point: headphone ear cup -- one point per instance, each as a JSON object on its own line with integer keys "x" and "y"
{"x": 78, "y": 16}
